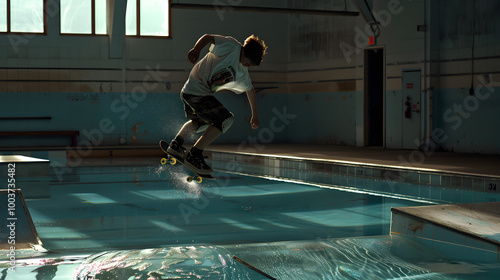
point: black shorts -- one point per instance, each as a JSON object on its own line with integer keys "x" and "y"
{"x": 206, "y": 110}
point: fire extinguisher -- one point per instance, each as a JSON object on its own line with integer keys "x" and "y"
{"x": 408, "y": 108}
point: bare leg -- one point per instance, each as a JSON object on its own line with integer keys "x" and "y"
{"x": 187, "y": 129}
{"x": 208, "y": 137}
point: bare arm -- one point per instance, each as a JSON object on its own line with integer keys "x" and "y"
{"x": 254, "y": 122}
{"x": 204, "y": 40}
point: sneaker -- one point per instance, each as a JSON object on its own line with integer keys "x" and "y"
{"x": 176, "y": 150}
{"x": 196, "y": 162}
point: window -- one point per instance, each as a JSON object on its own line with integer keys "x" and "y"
{"x": 83, "y": 17}
{"x": 143, "y": 17}
{"x": 23, "y": 16}
{"x": 148, "y": 18}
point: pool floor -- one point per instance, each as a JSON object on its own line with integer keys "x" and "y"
{"x": 109, "y": 221}
{"x": 122, "y": 207}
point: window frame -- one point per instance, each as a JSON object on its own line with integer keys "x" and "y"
{"x": 138, "y": 22}
{"x": 9, "y": 24}
{"x": 92, "y": 25}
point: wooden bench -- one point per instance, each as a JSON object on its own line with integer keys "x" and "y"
{"x": 74, "y": 134}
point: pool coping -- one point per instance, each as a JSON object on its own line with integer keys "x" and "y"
{"x": 276, "y": 164}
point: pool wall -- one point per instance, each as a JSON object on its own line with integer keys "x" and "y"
{"x": 424, "y": 183}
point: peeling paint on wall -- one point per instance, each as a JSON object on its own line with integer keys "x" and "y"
{"x": 136, "y": 137}
{"x": 135, "y": 128}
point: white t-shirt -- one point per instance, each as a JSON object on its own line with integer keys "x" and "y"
{"x": 219, "y": 70}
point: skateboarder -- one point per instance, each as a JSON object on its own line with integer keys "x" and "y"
{"x": 224, "y": 68}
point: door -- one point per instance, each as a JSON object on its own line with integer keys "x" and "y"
{"x": 410, "y": 129}
{"x": 374, "y": 97}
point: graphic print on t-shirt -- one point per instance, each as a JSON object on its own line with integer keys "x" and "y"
{"x": 222, "y": 77}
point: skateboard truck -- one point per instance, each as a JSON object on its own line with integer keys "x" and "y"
{"x": 173, "y": 161}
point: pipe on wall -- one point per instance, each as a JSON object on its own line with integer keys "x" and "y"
{"x": 264, "y": 9}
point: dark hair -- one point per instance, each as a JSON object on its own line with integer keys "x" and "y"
{"x": 254, "y": 49}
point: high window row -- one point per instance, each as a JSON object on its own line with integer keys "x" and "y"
{"x": 143, "y": 17}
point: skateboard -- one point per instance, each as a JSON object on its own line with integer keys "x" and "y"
{"x": 173, "y": 160}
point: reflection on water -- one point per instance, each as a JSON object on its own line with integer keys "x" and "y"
{"x": 381, "y": 257}
{"x": 196, "y": 262}
{"x": 351, "y": 258}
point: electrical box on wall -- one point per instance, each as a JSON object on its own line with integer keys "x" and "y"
{"x": 372, "y": 40}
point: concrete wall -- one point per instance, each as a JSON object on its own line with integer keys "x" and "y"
{"x": 451, "y": 118}
{"x": 323, "y": 78}
{"x": 123, "y": 90}
{"x": 326, "y": 58}
{"x": 469, "y": 57}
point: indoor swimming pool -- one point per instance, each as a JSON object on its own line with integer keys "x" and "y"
{"x": 136, "y": 219}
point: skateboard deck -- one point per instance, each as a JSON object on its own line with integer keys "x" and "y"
{"x": 172, "y": 159}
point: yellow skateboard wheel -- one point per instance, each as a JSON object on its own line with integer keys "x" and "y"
{"x": 198, "y": 179}
{"x": 172, "y": 161}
